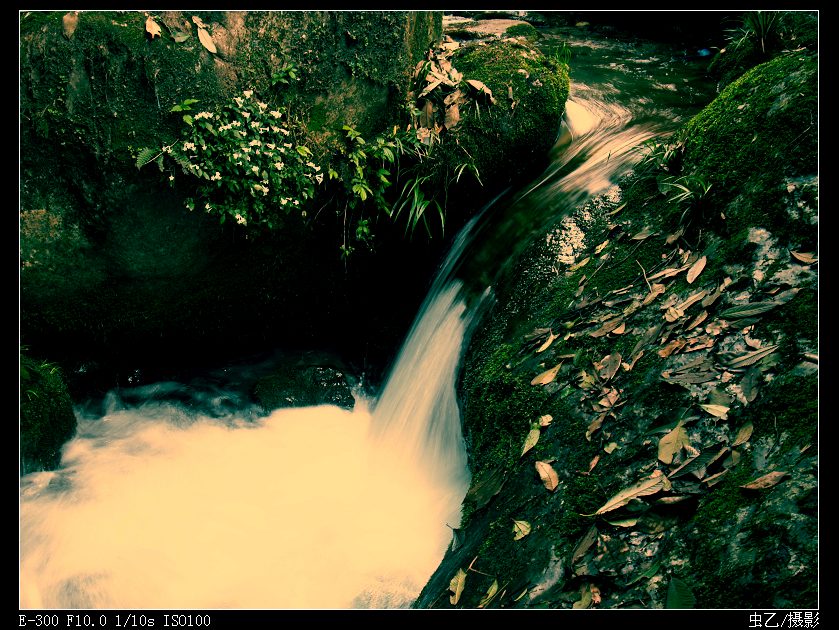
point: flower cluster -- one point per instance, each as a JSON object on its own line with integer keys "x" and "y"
{"x": 252, "y": 165}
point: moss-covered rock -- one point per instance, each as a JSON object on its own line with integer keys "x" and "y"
{"x": 303, "y": 387}
{"x": 46, "y": 415}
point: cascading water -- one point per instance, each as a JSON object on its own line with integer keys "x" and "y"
{"x": 207, "y": 504}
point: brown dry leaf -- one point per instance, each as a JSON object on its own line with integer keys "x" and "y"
{"x": 456, "y": 586}
{"x": 700, "y": 343}
{"x": 609, "y": 399}
{"x": 608, "y": 327}
{"x": 672, "y": 443}
{"x": 69, "y": 23}
{"x": 586, "y": 380}
{"x": 697, "y": 320}
{"x": 696, "y": 269}
{"x": 624, "y": 522}
{"x": 593, "y": 463}
{"x": 649, "y": 336}
{"x": 198, "y": 22}
{"x": 751, "y": 358}
{"x": 594, "y": 426}
{"x": 452, "y": 116}
{"x": 698, "y": 464}
{"x": 530, "y": 441}
{"x": 595, "y": 595}
{"x": 655, "y": 290}
{"x": 619, "y": 330}
{"x": 743, "y": 434}
{"x": 752, "y": 343}
{"x": 206, "y": 40}
{"x": 643, "y": 234}
{"x": 719, "y": 411}
{"x": 715, "y": 479}
{"x": 693, "y": 299}
{"x": 548, "y": 475}
{"x": 671, "y": 347}
{"x": 716, "y": 327}
{"x": 580, "y": 264}
{"x": 667, "y": 273}
{"x": 547, "y": 376}
{"x": 672, "y": 500}
{"x": 657, "y": 481}
{"x": 585, "y": 543}
{"x": 732, "y": 460}
{"x": 547, "y": 343}
{"x": 601, "y": 247}
{"x": 490, "y": 595}
{"x": 766, "y": 481}
{"x": 608, "y": 366}
{"x": 673, "y": 314}
{"x": 672, "y": 238}
{"x": 434, "y": 83}
{"x": 545, "y": 420}
{"x": 455, "y": 98}
{"x": 426, "y": 117}
{"x": 152, "y": 27}
{"x": 611, "y": 446}
{"x": 481, "y": 89}
{"x": 635, "y": 358}
{"x": 806, "y": 258}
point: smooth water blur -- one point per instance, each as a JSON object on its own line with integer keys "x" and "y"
{"x": 185, "y": 496}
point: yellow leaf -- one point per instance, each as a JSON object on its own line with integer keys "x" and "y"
{"x": 490, "y": 595}
{"x": 720, "y": 411}
{"x": 548, "y": 475}
{"x": 743, "y": 434}
{"x": 206, "y": 40}
{"x": 672, "y": 443}
{"x": 456, "y": 586}
{"x": 696, "y": 269}
{"x": 520, "y": 529}
{"x": 648, "y": 486}
{"x": 547, "y": 376}
{"x": 611, "y": 446}
{"x": 601, "y": 247}
{"x": 580, "y": 264}
{"x": 624, "y": 522}
{"x": 585, "y": 598}
{"x": 152, "y": 27}
{"x": 766, "y": 481}
{"x": 806, "y": 258}
{"x": 530, "y": 440}
{"x": 547, "y": 343}
{"x": 545, "y": 420}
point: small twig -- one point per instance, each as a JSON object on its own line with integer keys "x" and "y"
{"x": 645, "y": 276}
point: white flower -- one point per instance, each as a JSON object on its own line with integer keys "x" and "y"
{"x": 188, "y": 146}
{"x": 246, "y": 149}
{"x": 255, "y": 169}
{"x": 255, "y": 143}
{"x": 171, "y": 178}
{"x": 246, "y": 114}
{"x": 241, "y": 220}
{"x": 203, "y": 147}
{"x": 310, "y": 164}
{"x": 275, "y": 113}
{"x": 283, "y": 201}
{"x": 296, "y": 203}
{"x": 236, "y": 156}
{"x": 287, "y": 145}
{"x": 279, "y": 166}
{"x": 208, "y": 207}
{"x": 303, "y": 214}
{"x": 262, "y": 106}
{"x": 239, "y": 101}
{"x": 201, "y": 115}
{"x": 215, "y": 177}
{"x": 235, "y": 123}
{"x": 248, "y": 93}
{"x": 275, "y": 129}
{"x": 285, "y": 132}
{"x": 319, "y": 177}
{"x": 270, "y": 146}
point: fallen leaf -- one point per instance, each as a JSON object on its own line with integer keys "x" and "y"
{"x": 743, "y": 434}
{"x": 679, "y": 595}
{"x": 594, "y": 426}
{"x": 700, "y": 343}
{"x": 547, "y": 376}
{"x": 696, "y": 269}
{"x": 580, "y": 264}
{"x": 672, "y": 443}
{"x": 672, "y": 238}
{"x": 595, "y": 594}
{"x": 697, "y": 320}
{"x": 545, "y": 420}
{"x": 635, "y": 357}
{"x": 655, "y": 290}
{"x": 697, "y": 465}
{"x": 749, "y": 384}
{"x": 667, "y": 273}
{"x": 608, "y": 366}
{"x": 673, "y": 314}
{"x": 766, "y": 481}
{"x": 649, "y": 336}
{"x": 720, "y": 411}
{"x": 751, "y": 357}
{"x": 601, "y": 247}
{"x": 488, "y": 487}
{"x": 714, "y": 479}
{"x": 490, "y": 595}
{"x": 530, "y": 440}
{"x": 481, "y": 89}
{"x": 748, "y": 310}
{"x": 732, "y": 460}
{"x": 452, "y": 116}
{"x": 586, "y": 380}
{"x": 206, "y": 40}
{"x": 806, "y": 258}
{"x": 520, "y": 529}
{"x": 585, "y": 543}
{"x": 152, "y": 27}
{"x": 624, "y": 522}
{"x": 643, "y": 234}
{"x": 547, "y": 343}
{"x": 608, "y": 327}
{"x": 671, "y": 347}
{"x": 181, "y": 36}
{"x": 648, "y": 486}
{"x": 585, "y": 598}
{"x": 548, "y": 475}
{"x": 520, "y": 595}
{"x": 69, "y": 23}
{"x": 672, "y": 500}
{"x": 198, "y": 22}
{"x": 456, "y": 586}
{"x": 593, "y": 463}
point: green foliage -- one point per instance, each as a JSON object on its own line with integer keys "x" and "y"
{"x": 285, "y": 74}
{"x": 522, "y": 30}
{"x": 760, "y": 27}
{"x": 250, "y": 160}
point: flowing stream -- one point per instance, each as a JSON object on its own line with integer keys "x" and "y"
{"x": 186, "y": 496}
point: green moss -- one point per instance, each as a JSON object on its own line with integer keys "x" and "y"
{"x": 759, "y": 130}
{"x": 522, "y": 30}
{"x": 46, "y": 415}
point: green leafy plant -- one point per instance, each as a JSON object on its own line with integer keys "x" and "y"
{"x": 285, "y": 74}
{"x": 249, "y": 159}
{"x": 760, "y": 27}
{"x": 687, "y": 191}
{"x": 658, "y": 156}
{"x": 185, "y": 106}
